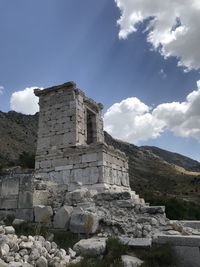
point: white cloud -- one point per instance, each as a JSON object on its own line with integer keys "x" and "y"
{"x": 24, "y": 101}
{"x": 133, "y": 121}
{"x": 173, "y": 27}
{"x": 1, "y": 89}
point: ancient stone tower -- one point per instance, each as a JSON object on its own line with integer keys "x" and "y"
{"x": 70, "y": 147}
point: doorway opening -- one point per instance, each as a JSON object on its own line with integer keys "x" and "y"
{"x": 91, "y": 127}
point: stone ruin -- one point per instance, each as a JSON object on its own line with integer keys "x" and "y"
{"x": 70, "y": 147}
{"x": 80, "y": 184}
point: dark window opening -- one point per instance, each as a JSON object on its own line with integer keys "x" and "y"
{"x": 91, "y": 127}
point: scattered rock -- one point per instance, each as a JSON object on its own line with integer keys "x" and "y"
{"x": 92, "y": 247}
{"x": 136, "y": 242}
{"x": 131, "y": 261}
{"x": 43, "y": 214}
{"x": 9, "y": 230}
{"x": 17, "y": 222}
{"x": 83, "y": 222}
{"x": 62, "y": 217}
{"x": 42, "y": 262}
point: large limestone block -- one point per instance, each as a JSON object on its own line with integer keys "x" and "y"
{"x": 9, "y": 187}
{"x": 62, "y": 217}
{"x": 79, "y": 196}
{"x": 3, "y": 264}
{"x": 153, "y": 209}
{"x": 24, "y": 214}
{"x": 43, "y": 214}
{"x": 89, "y": 157}
{"x": 130, "y": 261}
{"x": 136, "y": 242}
{"x": 92, "y": 247}
{"x": 25, "y": 200}
{"x": 83, "y": 222}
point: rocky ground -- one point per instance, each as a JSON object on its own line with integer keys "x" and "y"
{"x": 27, "y": 251}
{"x": 30, "y": 251}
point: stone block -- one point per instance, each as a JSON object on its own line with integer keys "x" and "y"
{"x": 131, "y": 261}
{"x": 62, "y": 217}
{"x": 187, "y": 256}
{"x": 89, "y": 157}
{"x": 175, "y": 240}
{"x": 192, "y": 224}
{"x": 43, "y": 214}
{"x": 83, "y": 222}
{"x": 26, "y": 182}
{"x": 136, "y": 242}
{"x": 153, "y": 209}
{"x": 62, "y": 168}
{"x": 92, "y": 247}
{"x": 24, "y": 214}
{"x": 40, "y": 197}
{"x": 25, "y": 200}
{"x": 9, "y": 203}
{"x": 9, "y": 187}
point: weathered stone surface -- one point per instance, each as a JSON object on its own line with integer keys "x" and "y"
{"x": 71, "y": 127}
{"x": 18, "y": 222}
{"x": 189, "y": 241}
{"x": 25, "y": 214}
{"x": 187, "y": 256}
{"x": 9, "y": 230}
{"x": 136, "y": 242}
{"x": 42, "y": 262}
{"x": 92, "y": 247}
{"x": 131, "y": 261}
{"x": 192, "y": 224}
{"x": 109, "y": 196}
{"x": 4, "y": 249}
{"x": 153, "y": 209}
{"x": 3, "y": 263}
{"x": 83, "y": 222}
{"x": 25, "y": 200}
{"x": 43, "y": 213}
{"x": 62, "y": 217}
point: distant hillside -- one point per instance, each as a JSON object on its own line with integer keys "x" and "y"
{"x": 151, "y": 170}
{"x": 18, "y": 134}
{"x": 149, "y": 173}
{"x": 174, "y": 158}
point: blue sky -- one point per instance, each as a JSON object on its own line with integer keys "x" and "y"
{"x": 44, "y": 43}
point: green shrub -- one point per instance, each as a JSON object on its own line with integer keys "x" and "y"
{"x": 176, "y": 209}
{"x": 114, "y": 250}
{"x": 32, "y": 229}
{"x": 157, "y": 256}
{"x": 65, "y": 239}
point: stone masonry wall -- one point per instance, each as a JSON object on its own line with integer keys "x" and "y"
{"x": 62, "y": 120}
{"x": 16, "y": 196}
{"x": 71, "y": 148}
{"x": 97, "y": 164}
